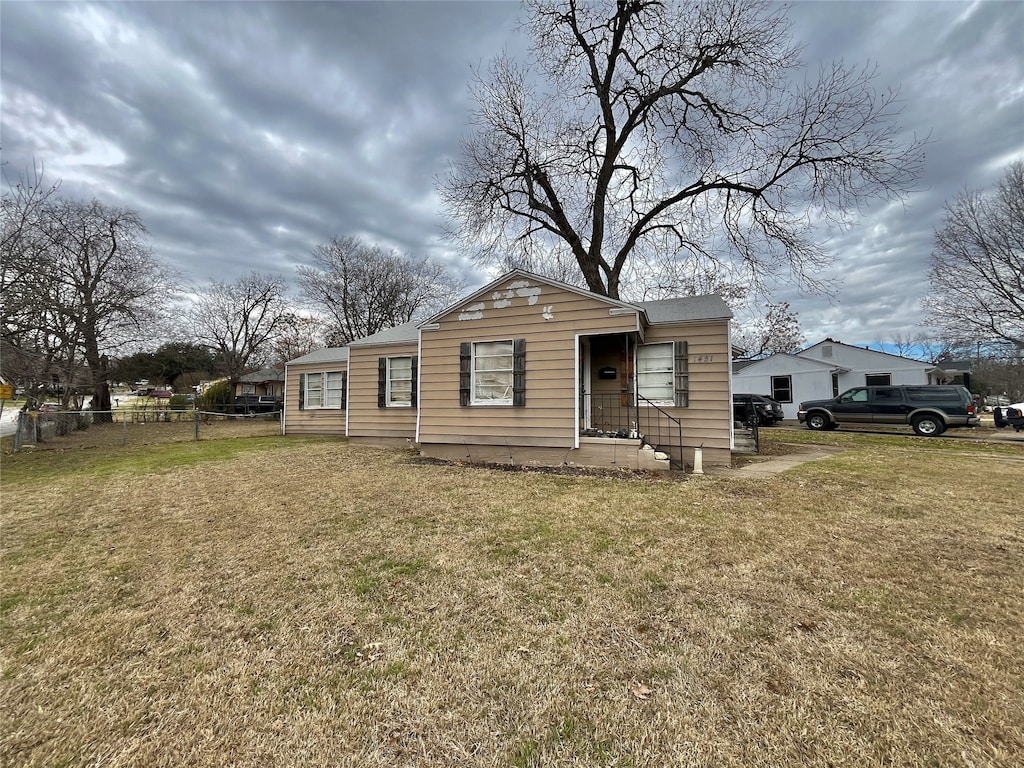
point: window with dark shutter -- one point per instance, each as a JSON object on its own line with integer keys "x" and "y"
{"x": 465, "y": 372}
{"x": 519, "y": 373}
{"x": 302, "y": 391}
{"x": 682, "y": 374}
{"x": 382, "y": 381}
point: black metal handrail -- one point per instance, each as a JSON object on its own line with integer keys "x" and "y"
{"x": 661, "y": 430}
{"x": 750, "y": 420}
{"x": 631, "y": 415}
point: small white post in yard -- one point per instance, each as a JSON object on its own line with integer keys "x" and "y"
{"x": 698, "y": 460}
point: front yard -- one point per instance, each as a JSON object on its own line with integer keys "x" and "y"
{"x": 298, "y": 602}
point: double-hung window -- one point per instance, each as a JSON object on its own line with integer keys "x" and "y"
{"x": 662, "y": 373}
{"x": 322, "y": 390}
{"x": 782, "y": 389}
{"x": 493, "y": 372}
{"x": 396, "y": 381}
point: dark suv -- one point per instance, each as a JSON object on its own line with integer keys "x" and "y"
{"x": 930, "y": 410}
{"x": 768, "y": 411}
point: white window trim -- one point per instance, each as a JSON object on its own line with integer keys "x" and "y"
{"x": 388, "y": 401}
{"x": 771, "y": 382}
{"x": 671, "y": 401}
{"x": 322, "y": 375}
{"x": 504, "y": 401}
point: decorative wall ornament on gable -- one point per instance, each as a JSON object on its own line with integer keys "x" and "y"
{"x": 473, "y": 312}
{"x": 520, "y": 289}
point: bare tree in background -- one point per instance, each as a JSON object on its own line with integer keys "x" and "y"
{"x": 776, "y": 331}
{"x": 977, "y": 272}
{"x": 299, "y": 335}
{"x": 79, "y": 281}
{"x": 239, "y": 322}
{"x": 34, "y": 350}
{"x": 645, "y": 132}
{"x": 363, "y": 289}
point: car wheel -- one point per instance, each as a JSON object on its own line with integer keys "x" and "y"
{"x": 817, "y": 421}
{"x": 929, "y": 426}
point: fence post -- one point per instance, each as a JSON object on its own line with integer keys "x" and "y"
{"x": 17, "y": 435}
{"x": 195, "y": 422}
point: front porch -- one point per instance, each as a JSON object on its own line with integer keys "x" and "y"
{"x": 610, "y": 405}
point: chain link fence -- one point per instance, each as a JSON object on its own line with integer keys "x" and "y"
{"x": 136, "y": 426}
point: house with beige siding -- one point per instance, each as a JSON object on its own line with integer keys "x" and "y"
{"x": 316, "y": 393}
{"x": 529, "y": 370}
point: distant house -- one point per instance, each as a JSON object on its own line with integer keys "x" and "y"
{"x": 825, "y": 370}
{"x": 530, "y": 370}
{"x": 259, "y": 392}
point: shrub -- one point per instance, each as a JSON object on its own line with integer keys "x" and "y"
{"x": 216, "y": 396}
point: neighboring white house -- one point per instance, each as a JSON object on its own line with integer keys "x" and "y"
{"x": 825, "y": 370}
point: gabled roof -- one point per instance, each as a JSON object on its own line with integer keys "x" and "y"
{"x": 326, "y": 355}
{"x": 400, "y": 334}
{"x": 746, "y": 365}
{"x": 258, "y": 377}
{"x": 859, "y": 349}
{"x": 674, "y": 310}
{"x": 502, "y": 281}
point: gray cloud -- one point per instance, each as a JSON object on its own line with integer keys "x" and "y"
{"x": 247, "y": 133}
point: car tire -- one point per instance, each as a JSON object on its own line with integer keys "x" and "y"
{"x": 929, "y": 426}
{"x": 817, "y": 421}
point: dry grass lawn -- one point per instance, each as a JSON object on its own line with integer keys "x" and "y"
{"x": 295, "y": 602}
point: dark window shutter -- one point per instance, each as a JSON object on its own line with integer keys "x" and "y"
{"x": 519, "y": 373}
{"x": 415, "y": 378}
{"x": 682, "y": 374}
{"x": 465, "y": 368}
{"x": 344, "y": 390}
{"x": 382, "y": 383}
{"x": 302, "y": 391}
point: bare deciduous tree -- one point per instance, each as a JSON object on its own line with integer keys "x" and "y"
{"x": 299, "y": 336}
{"x": 775, "y": 331}
{"x": 239, "y": 322}
{"x": 643, "y": 132}
{"x": 363, "y": 289}
{"x": 977, "y": 271}
{"x": 79, "y": 281}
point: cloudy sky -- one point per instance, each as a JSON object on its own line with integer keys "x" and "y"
{"x": 247, "y": 133}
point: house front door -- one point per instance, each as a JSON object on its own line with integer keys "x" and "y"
{"x": 606, "y": 374}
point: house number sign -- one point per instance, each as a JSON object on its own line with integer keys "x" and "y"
{"x": 706, "y": 358}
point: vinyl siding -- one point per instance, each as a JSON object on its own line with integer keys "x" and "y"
{"x": 365, "y": 419}
{"x": 707, "y": 419}
{"x": 549, "y": 327}
{"x": 310, "y": 421}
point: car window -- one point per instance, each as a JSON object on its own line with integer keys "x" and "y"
{"x": 888, "y": 395}
{"x": 854, "y": 396}
{"x": 934, "y": 394}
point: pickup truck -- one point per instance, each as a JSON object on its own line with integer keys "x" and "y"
{"x": 929, "y": 409}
